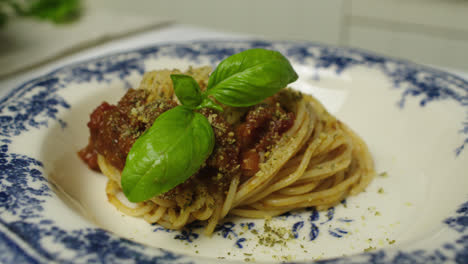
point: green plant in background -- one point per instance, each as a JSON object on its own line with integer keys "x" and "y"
{"x": 3, "y": 18}
{"x": 57, "y": 11}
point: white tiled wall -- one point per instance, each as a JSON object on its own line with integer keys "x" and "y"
{"x": 295, "y": 19}
{"x": 426, "y": 31}
{"x": 449, "y": 14}
{"x": 416, "y": 46}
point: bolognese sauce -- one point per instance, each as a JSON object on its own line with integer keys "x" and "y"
{"x": 239, "y": 148}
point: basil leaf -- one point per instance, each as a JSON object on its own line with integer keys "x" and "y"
{"x": 187, "y": 90}
{"x": 171, "y": 151}
{"x": 208, "y": 103}
{"x": 248, "y": 77}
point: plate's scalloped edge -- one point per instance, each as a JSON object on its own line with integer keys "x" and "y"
{"x": 34, "y": 104}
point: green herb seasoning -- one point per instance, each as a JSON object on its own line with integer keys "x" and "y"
{"x": 383, "y": 174}
{"x": 273, "y": 236}
{"x": 369, "y": 249}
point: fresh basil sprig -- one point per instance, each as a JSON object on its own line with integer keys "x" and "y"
{"x": 180, "y": 139}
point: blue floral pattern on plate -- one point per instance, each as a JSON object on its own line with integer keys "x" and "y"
{"x": 24, "y": 191}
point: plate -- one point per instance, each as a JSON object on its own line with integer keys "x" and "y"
{"x": 413, "y": 118}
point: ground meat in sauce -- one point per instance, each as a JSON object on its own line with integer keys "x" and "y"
{"x": 221, "y": 165}
{"x": 114, "y": 129}
{"x": 226, "y": 151}
{"x": 263, "y": 126}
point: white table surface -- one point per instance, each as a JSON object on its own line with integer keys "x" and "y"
{"x": 166, "y": 34}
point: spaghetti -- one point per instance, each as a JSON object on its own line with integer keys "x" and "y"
{"x": 314, "y": 160}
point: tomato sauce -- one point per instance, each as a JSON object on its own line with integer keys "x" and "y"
{"x": 114, "y": 129}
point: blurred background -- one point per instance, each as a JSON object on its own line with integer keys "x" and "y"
{"x": 433, "y": 32}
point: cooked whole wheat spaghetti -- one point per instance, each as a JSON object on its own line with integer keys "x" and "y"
{"x": 317, "y": 162}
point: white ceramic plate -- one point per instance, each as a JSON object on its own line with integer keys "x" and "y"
{"x": 414, "y": 119}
